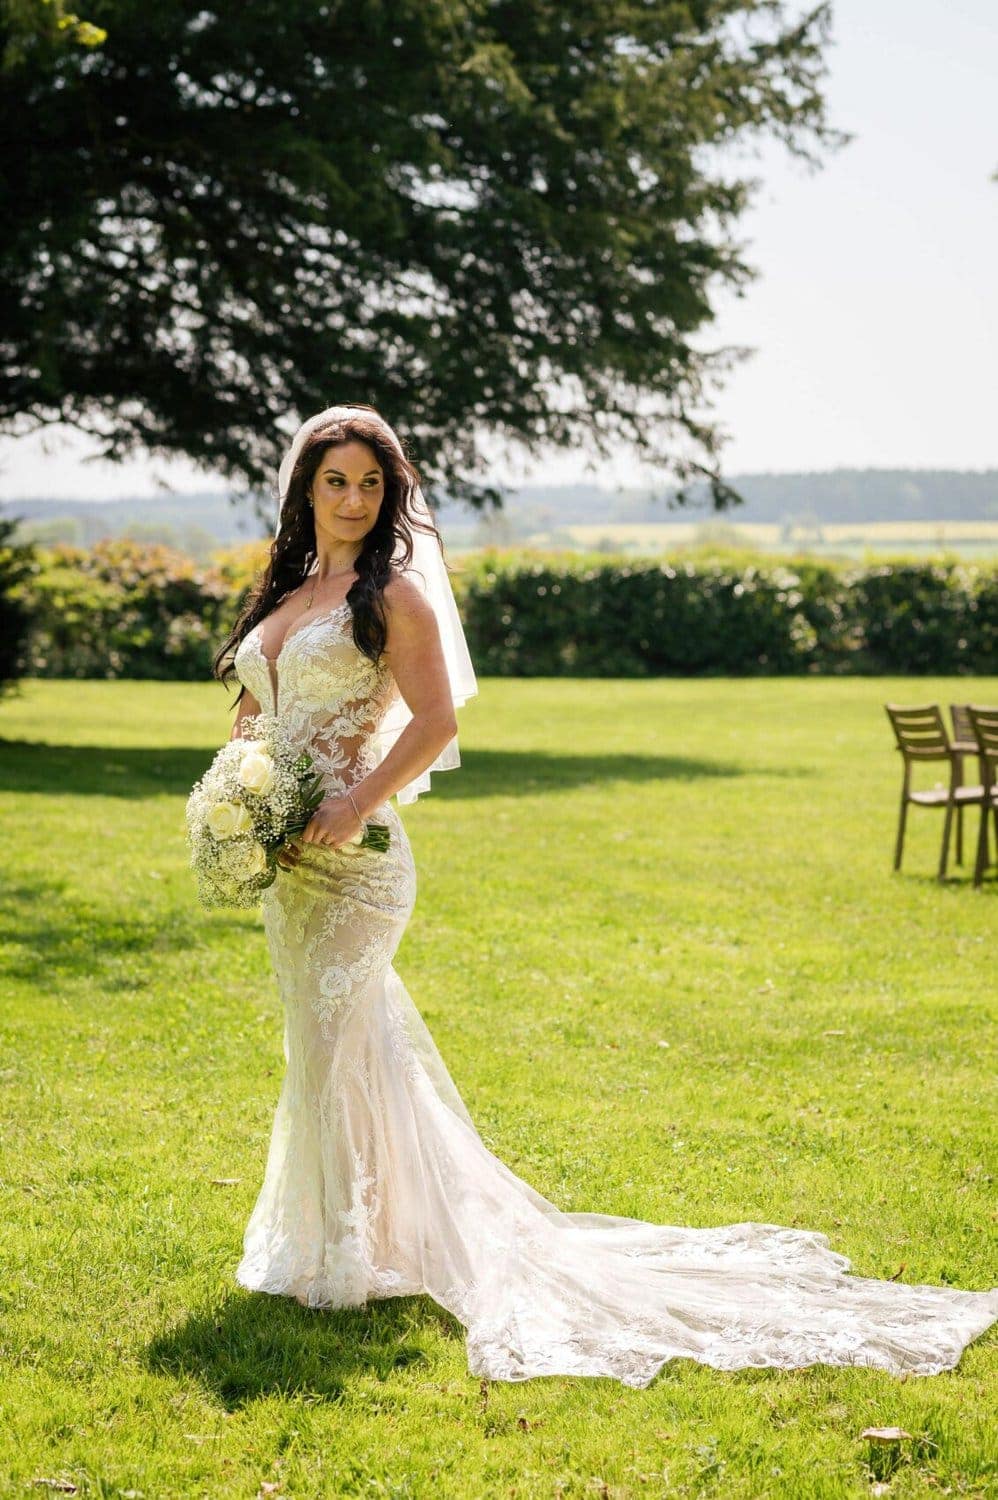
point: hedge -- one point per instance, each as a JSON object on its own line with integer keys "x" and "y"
{"x": 686, "y": 619}
{"x": 127, "y": 609}
{"x": 17, "y": 564}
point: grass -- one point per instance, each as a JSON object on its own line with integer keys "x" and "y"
{"x": 660, "y": 946}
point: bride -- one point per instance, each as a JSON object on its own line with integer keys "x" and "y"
{"x": 377, "y": 1183}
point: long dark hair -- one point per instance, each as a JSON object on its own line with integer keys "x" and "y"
{"x": 293, "y": 550}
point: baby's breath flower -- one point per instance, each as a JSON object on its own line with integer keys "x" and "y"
{"x": 258, "y": 791}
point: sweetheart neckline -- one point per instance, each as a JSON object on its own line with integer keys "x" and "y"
{"x": 272, "y": 661}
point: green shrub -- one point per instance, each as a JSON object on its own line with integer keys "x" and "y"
{"x": 17, "y": 561}
{"x": 126, "y": 609}
{"x": 925, "y": 618}
{"x": 655, "y": 619}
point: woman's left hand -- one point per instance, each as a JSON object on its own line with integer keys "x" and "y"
{"x": 333, "y": 823}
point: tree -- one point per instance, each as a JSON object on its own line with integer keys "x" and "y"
{"x": 32, "y": 25}
{"x": 479, "y": 215}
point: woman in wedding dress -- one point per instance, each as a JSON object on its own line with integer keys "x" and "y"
{"x": 377, "y": 1183}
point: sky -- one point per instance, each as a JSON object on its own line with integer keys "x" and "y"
{"x": 874, "y": 316}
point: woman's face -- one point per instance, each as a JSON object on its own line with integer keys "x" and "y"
{"x": 347, "y": 492}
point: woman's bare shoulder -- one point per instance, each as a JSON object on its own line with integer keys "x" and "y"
{"x": 404, "y": 597}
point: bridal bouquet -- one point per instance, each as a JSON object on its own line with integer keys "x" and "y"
{"x": 258, "y": 792}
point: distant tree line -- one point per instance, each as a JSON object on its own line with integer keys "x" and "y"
{"x": 193, "y": 523}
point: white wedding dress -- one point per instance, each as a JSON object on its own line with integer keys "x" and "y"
{"x": 377, "y": 1183}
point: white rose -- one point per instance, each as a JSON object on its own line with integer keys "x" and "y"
{"x": 256, "y": 859}
{"x": 226, "y": 819}
{"x": 244, "y": 859}
{"x": 256, "y": 772}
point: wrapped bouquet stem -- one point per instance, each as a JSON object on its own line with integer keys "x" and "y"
{"x": 259, "y": 792}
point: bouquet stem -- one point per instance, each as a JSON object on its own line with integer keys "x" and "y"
{"x": 375, "y": 836}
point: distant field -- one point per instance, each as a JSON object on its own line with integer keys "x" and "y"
{"x": 978, "y": 537}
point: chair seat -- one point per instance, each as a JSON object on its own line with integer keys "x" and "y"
{"x": 938, "y": 796}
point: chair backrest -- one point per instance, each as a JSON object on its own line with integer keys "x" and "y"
{"x": 919, "y": 731}
{"x": 984, "y": 722}
{"x": 962, "y": 727}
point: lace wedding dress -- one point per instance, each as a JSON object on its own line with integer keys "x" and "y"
{"x": 377, "y": 1183}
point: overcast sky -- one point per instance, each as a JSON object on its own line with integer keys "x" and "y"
{"x": 875, "y": 314}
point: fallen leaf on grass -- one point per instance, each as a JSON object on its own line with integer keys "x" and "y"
{"x": 58, "y": 1484}
{"x": 885, "y": 1434}
{"x": 225, "y": 1181}
{"x": 897, "y": 1273}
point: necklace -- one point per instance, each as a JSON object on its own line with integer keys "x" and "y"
{"x": 341, "y": 574}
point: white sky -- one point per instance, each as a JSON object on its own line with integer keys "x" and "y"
{"x": 875, "y": 314}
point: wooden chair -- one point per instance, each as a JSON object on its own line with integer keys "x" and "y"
{"x": 921, "y": 736}
{"x": 964, "y": 743}
{"x": 984, "y": 722}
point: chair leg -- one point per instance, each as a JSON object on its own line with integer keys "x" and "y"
{"x": 959, "y": 834}
{"x": 944, "y": 853}
{"x": 899, "y": 842}
{"x": 982, "y": 846}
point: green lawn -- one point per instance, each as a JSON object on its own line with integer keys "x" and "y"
{"x": 661, "y": 948}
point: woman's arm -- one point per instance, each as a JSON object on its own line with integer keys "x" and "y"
{"x": 247, "y": 706}
{"x": 416, "y": 657}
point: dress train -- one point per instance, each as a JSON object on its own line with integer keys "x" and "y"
{"x": 378, "y": 1184}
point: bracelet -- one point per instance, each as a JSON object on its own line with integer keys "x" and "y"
{"x": 356, "y": 809}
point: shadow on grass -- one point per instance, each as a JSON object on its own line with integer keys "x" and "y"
{"x": 517, "y": 773}
{"x": 106, "y": 771}
{"x": 51, "y": 931}
{"x": 103, "y": 770}
{"x": 254, "y": 1345}
{"x": 958, "y": 878}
